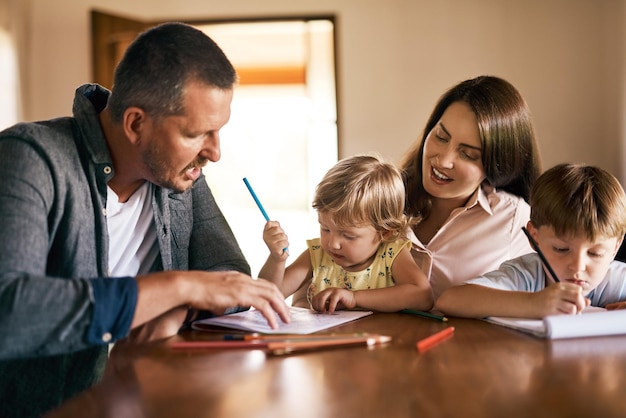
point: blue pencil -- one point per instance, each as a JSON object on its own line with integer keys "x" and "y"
{"x": 256, "y": 199}
{"x": 258, "y": 203}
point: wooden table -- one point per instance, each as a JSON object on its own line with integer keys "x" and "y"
{"x": 483, "y": 371}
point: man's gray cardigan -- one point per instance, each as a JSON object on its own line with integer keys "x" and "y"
{"x": 58, "y": 307}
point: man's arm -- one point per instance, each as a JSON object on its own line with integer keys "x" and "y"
{"x": 204, "y": 246}
{"x": 210, "y": 291}
{"x": 49, "y": 278}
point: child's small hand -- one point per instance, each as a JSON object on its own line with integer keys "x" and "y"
{"x": 616, "y": 305}
{"x": 561, "y": 298}
{"x": 276, "y": 240}
{"x": 332, "y": 299}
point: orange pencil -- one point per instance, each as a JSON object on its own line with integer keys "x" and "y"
{"x": 435, "y": 339}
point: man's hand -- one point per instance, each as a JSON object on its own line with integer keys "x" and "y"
{"x": 227, "y": 289}
{"x": 160, "y": 293}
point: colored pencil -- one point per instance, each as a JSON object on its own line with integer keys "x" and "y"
{"x": 425, "y": 314}
{"x": 435, "y": 339}
{"x": 218, "y": 344}
{"x": 258, "y": 203}
{"x": 287, "y": 345}
{"x": 256, "y": 199}
{"x": 535, "y": 246}
{"x": 283, "y": 337}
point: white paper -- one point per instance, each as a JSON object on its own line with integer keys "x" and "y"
{"x": 592, "y": 322}
{"x": 530, "y": 326}
{"x": 303, "y": 321}
{"x": 589, "y": 324}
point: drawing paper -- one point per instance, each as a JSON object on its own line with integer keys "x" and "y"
{"x": 591, "y": 322}
{"x": 303, "y": 321}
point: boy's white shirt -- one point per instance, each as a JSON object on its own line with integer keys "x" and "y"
{"x": 526, "y": 273}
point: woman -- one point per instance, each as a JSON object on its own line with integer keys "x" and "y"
{"x": 468, "y": 180}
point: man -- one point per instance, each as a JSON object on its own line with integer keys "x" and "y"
{"x": 107, "y": 224}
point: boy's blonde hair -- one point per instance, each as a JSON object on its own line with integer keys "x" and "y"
{"x": 364, "y": 190}
{"x": 577, "y": 200}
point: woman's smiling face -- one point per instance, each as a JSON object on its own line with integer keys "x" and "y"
{"x": 452, "y": 162}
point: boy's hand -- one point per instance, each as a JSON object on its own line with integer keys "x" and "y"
{"x": 332, "y": 299}
{"x": 616, "y": 305}
{"x": 276, "y": 240}
{"x": 561, "y": 298}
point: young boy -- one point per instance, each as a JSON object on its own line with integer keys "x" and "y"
{"x": 578, "y": 219}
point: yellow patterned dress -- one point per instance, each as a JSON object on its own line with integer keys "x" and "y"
{"x": 328, "y": 274}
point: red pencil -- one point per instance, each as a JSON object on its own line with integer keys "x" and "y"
{"x": 435, "y": 339}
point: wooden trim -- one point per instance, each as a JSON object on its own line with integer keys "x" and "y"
{"x": 111, "y": 35}
{"x": 272, "y": 75}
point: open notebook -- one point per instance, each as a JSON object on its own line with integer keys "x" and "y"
{"x": 303, "y": 321}
{"x": 592, "y": 322}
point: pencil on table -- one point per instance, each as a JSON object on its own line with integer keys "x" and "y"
{"x": 284, "y": 345}
{"x": 425, "y": 314}
{"x": 435, "y": 339}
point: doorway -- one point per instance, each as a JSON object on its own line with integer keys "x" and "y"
{"x": 282, "y": 135}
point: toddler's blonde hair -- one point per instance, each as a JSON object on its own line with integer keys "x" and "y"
{"x": 364, "y": 190}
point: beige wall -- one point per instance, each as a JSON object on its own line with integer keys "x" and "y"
{"x": 395, "y": 57}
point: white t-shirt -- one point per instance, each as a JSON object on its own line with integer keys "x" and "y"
{"x": 527, "y": 274}
{"x": 133, "y": 246}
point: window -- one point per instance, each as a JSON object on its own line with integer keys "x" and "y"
{"x": 282, "y": 134}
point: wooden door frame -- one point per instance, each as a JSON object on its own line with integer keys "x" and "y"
{"x": 111, "y": 35}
